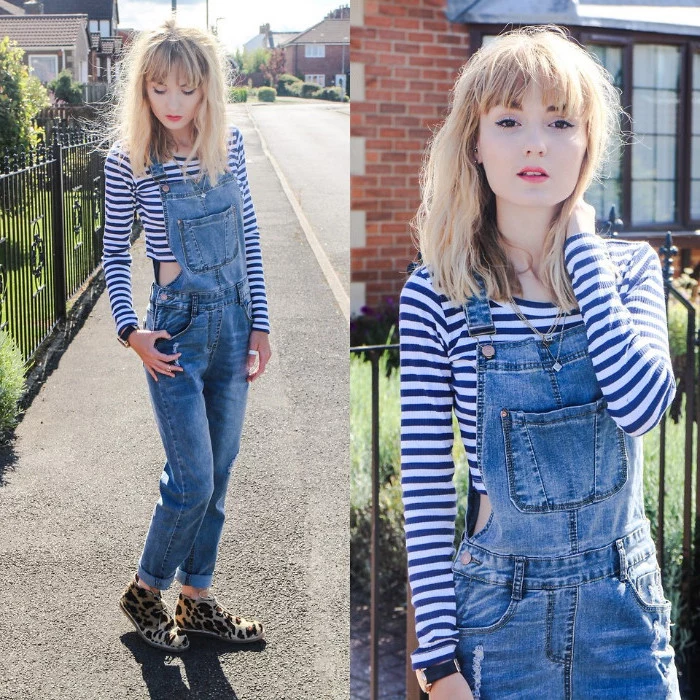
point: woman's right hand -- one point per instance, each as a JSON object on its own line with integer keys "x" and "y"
{"x": 453, "y": 687}
{"x": 144, "y": 344}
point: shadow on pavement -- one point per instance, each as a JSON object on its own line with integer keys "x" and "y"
{"x": 8, "y": 459}
{"x": 202, "y": 668}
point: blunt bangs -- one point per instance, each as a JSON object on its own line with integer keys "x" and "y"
{"x": 181, "y": 55}
{"x": 511, "y": 66}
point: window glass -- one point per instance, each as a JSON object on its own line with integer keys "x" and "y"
{"x": 695, "y": 142}
{"x": 655, "y": 97}
{"x": 608, "y": 192}
{"x": 315, "y": 50}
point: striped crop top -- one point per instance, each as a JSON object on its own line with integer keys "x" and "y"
{"x": 125, "y": 194}
{"x": 625, "y": 320}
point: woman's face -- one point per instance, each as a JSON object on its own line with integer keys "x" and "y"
{"x": 174, "y": 103}
{"x": 532, "y": 155}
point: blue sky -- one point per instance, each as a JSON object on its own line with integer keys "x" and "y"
{"x": 238, "y": 21}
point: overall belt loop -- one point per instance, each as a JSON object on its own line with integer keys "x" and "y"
{"x": 623, "y": 559}
{"x": 518, "y": 578}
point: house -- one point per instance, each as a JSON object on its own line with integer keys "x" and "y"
{"x": 321, "y": 54}
{"x": 104, "y": 40}
{"x": 267, "y": 39}
{"x": 52, "y": 43}
{"x": 406, "y": 58}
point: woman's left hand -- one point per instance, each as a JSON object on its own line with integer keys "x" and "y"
{"x": 582, "y": 219}
{"x": 257, "y": 361}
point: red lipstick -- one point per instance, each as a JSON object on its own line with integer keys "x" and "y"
{"x": 172, "y": 117}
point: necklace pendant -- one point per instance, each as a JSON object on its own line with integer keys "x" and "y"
{"x": 556, "y": 366}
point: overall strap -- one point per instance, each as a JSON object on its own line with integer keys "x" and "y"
{"x": 478, "y": 313}
{"x": 157, "y": 170}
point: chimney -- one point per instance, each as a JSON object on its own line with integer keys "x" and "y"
{"x": 265, "y": 29}
{"x": 33, "y": 7}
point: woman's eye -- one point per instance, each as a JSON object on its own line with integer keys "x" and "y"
{"x": 158, "y": 92}
{"x": 189, "y": 92}
{"x": 562, "y": 124}
{"x": 507, "y": 123}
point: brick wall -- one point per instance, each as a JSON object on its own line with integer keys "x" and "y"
{"x": 336, "y": 60}
{"x": 404, "y": 60}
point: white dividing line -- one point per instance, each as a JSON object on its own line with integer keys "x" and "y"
{"x": 324, "y": 263}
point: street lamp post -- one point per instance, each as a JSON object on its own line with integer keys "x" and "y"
{"x": 174, "y": 6}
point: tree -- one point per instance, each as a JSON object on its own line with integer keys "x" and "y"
{"x": 66, "y": 89}
{"x": 275, "y": 66}
{"x": 255, "y": 61}
{"x": 21, "y": 97}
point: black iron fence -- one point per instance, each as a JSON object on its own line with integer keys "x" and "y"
{"x": 51, "y": 219}
{"x": 688, "y": 393}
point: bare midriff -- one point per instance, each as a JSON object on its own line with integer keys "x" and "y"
{"x": 167, "y": 272}
{"x": 484, "y": 513}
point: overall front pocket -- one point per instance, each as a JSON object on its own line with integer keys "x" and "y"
{"x": 209, "y": 242}
{"x": 563, "y": 459}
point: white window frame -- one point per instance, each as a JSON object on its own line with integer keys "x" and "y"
{"x": 42, "y": 59}
{"x": 314, "y": 50}
{"x": 317, "y": 78}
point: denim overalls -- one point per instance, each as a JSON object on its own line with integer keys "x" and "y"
{"x": 200, "y": 410}
{"x": 559, "y": 595}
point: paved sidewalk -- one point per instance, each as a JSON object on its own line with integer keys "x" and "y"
{"x": 78, "y": 487}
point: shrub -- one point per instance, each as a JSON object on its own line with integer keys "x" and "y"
{"x": 238, "y": 94}
{"x": 66, "y": 89}
{"x": 294, "y": 89}
{"x": 267, "y": 94}
{"x": 21, "y": 97}
{"x": 378, "y": 326}
{"x": 309, "y": 89}
{"x": 11, "y": 382}
{"x": 284, "y": 81}
{"x": 333, "y": 94}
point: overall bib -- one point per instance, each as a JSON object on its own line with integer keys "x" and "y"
{"x": 559, "y": 595}
{"x": 199, "y": 411}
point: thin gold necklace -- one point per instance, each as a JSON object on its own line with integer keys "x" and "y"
{"x": 548, "y": 336}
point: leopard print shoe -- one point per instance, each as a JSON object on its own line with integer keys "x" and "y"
{"x": 152, "y": 619}
{"x": 205, "y": 616}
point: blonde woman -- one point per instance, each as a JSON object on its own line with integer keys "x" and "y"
{"x": 550, "y": 346}
{"x": 176, "y": 162}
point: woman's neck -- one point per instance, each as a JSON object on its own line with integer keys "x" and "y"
{"x": 524, "y": 230}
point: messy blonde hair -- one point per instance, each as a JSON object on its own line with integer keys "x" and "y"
{"x": 456, "y": 222}
{"x": 201, "y": 63}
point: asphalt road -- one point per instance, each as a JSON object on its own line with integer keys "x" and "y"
{"x": 78, "y": 485}
{"x": 311, "y": 143}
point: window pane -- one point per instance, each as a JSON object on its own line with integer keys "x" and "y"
{"x": 608, "y": 193}
{"x": 695, "y": 142}
{"x": 655, "y": 96}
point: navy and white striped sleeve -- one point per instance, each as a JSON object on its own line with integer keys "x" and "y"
{"x": 120, "y": 203}
{"x": 626, "y": 327}
{"x": 253, "y": 253}
{"x": 427, "y": 469}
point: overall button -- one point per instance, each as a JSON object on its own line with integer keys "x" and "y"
{"x": 504, "y": 413}
{"x": 465, "y": 558}
{"x": 488, "y": 351}
{"x": 165, "y": 188}
{"x": 163, "y": 296}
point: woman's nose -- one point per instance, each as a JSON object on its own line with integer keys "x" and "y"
{"x": 534, "y": 143}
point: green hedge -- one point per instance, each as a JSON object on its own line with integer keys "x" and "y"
{"x": 310, "y": 89}
{"x": 11, "y": 382}
{"x": 267, "y": 94}
{"x": 238, "y": 94}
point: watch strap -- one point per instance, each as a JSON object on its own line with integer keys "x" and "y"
{"x": 124, "y": 334}
{"x": 435, "y": 673}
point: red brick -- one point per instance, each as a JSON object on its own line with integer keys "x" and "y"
{"x": 407, "y": 48}
{"x": 377, "y": 46}
{"x": 362, "y": 107}
{"x": 388, "y": 107}
{"x": 392, "y": 84}
{"x": 392, "y": 133}
{"x": 421, "y": 37}
{"x": 367, "y": 131}
{"x": 391, "y": 35}
{"x": 407, "y": 23}
{"x": 378, "y": 119}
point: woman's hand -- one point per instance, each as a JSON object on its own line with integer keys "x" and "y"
{"x": 582, "y": 219}
{"x": 144, "y": 344}
{"x": 259, "y": 354}
{"x": 453, "y": 687}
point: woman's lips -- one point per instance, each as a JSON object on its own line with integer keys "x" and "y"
{"x": 172, "y": 118}
{"x": 533, "y": 175}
